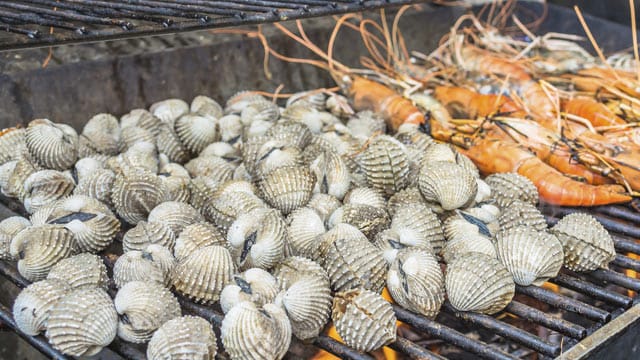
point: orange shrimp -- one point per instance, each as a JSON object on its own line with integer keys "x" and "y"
{"x": 464, "y": 103}
{"x": 497, "y": 156}
{"x": 597, "y": 113}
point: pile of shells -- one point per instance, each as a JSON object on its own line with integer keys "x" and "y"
{"x": 287, "y": 218}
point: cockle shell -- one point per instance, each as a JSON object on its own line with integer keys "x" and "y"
{"x": 186, "y": 337}
{"x": 96, "y": 183}
{"x": 478, "y": 282}
{"x": 324, "y": 205}
{"x": 82, "y": 322}
{"x": 13, "y": 144}
{"x": 531, "y": 256}
{"x": 196, "y": 132}
{"x": 213, "y": 167}
{"x": 9, "y": 228}
{"x": 176, "y": 188}
{"x": 410, "y": 134}
{"x": 292, "y": 133}
{"x": 410, "y": 195}
{"x": 385, "y": 165}
{"x": 274, "y": 154}
{"x": 222, "y": 150}
{"x": 32, "y": 306}
{"x": 169, "y": 144}
{"x": 38, "y": 248}
{"x": 519, "y": 212}
{"x": 81, "y": 271}
{"x": 202, "y": 275}
{"x": 52, "y": 145}
{"x": 249, "y": 332}
{"x": 169, "y": 110}
{"x": 368, "y": 219}
{"x": 259, "y": 111}
{"x": 287, "y": 188}
{"x": 6, "y": 171}
{"x": 587, "y": 245}
{"x": 305, "y": 225}
{"x": 141, "y": 118}
{"x": 142, "y": 308}
{"x": 463, "y": 237}
{"x": 459, "y": 225}
{"x": 231, "y": 129}
{"x": 206, "y": 106}
{"x": 133, "y": 135}
{"x": 506, "y": 187}
{"x": 22, "y": 169}
{"x": 154, "y": 264}
{"x": 258, "y": 239}
{"x": 135, "y": 193}
{"x": 195, "y": 236}
{"x": 332, "y": 174}
{"x": 464, "y": 161}
{"x": 438, "y": 152}
{"x": 416, "y": 224}
{"x": 315, "y": 120}
{"x": 141, "y": 154}
{"x": 101, "y": 134}
{"x": 224, "y": 208}
{"x": 365, "y": 196}
{"x": 255, "y": 285}
{"x": 312, "y": 98}
{"x": 201, "y": 190}
{"x": 295, "y": 268}
{"x": 363, "y": 319}
{"x": 147, "y": 233}
{"x": 176, "y": 215}
{"x": 366, "y": 124}
{"x": 448, "y": 184}
{"x": 416, "y": 282}
{"x": 338, "y": 105}
{"x": 350, "y": 260}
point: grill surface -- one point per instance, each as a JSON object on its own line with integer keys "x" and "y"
{"x": 52, "y": 22}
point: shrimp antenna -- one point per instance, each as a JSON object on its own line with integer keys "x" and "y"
{"x": 634, "y": 35}
{"x": 396, "y": 36}
{"x": 593, "y": 41}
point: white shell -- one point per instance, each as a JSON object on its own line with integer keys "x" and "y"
{"x": 202, "y": 275}
{"x": 255, "y": 285}
{"x": 385, "y": 164}
{"x": 81, "y": 271}
{"x": 507, "y": 187}
{"x": 417, "y": 225}
{"x": 39, "y": 248}
{"x": 13, "y": 144}
{"x": 305, "y": 225}
{"x": 196, "y": 132}
{"x": 32, "y": 306}
{"x": 332, "y": 174}
{"x": 135, "y": 193}
{"x": 258, "y": 239}
{"x": 324, "y": 205}
{"x": 186, "y": 337}
{"x": 154, "y": 264}
{"x": 101, "y": 134}
{"x": 169, "y": 110}
{"x": 196, "y": 236}
{"x": 44, "y": 187}
{"x": 54, "y": 146}
{"x": 169, "y": 144}
{"x": 206, "y": 106}
{"x": 176, "y": 215}
{"x": 448, "y": 184}
{"x": 522, "y": 213}
{"x": 365, "y": 196}
{"x": 9, "y": 228}
{"x": 147, "y": 233}
{"x": 287, "y": 188}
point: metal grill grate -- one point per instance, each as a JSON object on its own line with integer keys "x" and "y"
{"x": 599, "y": 304}
{"x": 35, "y": 23}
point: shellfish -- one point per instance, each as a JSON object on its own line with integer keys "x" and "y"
{"x": 188, "y": 337}
{"x": 38, "y": 248}
{"x": 255, "y": 285}
{"x": 519, "y": 212}
{"x": 507, "y": 187}
{"x": 176, "y": 215}
{"x": 287, "y": 188}
{"x": 385, "y": 165}
{"x": 202, "y": 275}
{"x": 258, "y": 239}
{"x": 135, "y": 193}
{"x": 101, "y": 134}
{"x": 195, "y": 236}
{"x": 448, "y": 184}
{"x": 147, "y": 233}
{"x": 169, "y": 144}
{"x": 305, "y": 225}
{"x": 332, "y": 174}
{"x": 365, "y": 196}
{"x": 154, "y": 264}
{"x": 9, "y": 228}
{"x": 206, "y": 106}
{"x": 52, "y": 145}
{"x": 81, "y": 271}
{"x": 44, "y": 187}
{"x": 196, "y": 132}
{"x": 32, "y": 306}
{"x": 324, "y": 205}
{"x": 368, "y": 219}
{"x": 169, "y": 110}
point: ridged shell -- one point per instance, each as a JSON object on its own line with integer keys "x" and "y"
{"x": 410, "y": 195}
{"x": 410, "y": 134}
{"x": 206, "y": 106}
{"x": 169, "y": 110}
{"x": 587, "y": 245}
{"x": 250, "y": 150}
{"x": 315, "y": 120}
{"x": 196, "y": 132}
{"x": 9, "y": 228}
{"x": 82, "y": 323}
{"x": 366, "y": 124}
{"x": 274, "y": 154}
{"x": 142, "y": 308}
{"x": 176, "y": 215}
{"x": 296, "y": 268}
{"x": 312, "y": 98}
{"x": 522, "y": 213}
{"x": 213, "y": 167}
{"x": 338, "y": 105}
{"x": 363, "y": 319}
{"x": 350, "y": 260}
{"x": 176, "y": 188}
{"x": 478, "y": 282}
{"x": 147, "y": 233}
{"x": 154, "y": 264}
{"x": 287, "y": 188}
{"x": 134, "y": 134}
{"x": 225, "y": 208}
{"x": 255, "y": 285}
{"x": 531, "y": 256}
{"x": 416, "y": 282}
{"x": 202, "y": 275}
{"x": 187, "y": 337}
{"x": 324, "y": 205}
{"x": 141, "y": 154}
{"x": 417, "y": 224}
{"x": 81, "y": 272}
{"x": 135, "y": 193}
{"x": 332, "y": 175}
{"x": 258, "y": 239}
{"x": 6, "y": 171}
{"x": 507, "y": 187}
{"x": 368, "y": 219}
{"x": 169, "y": 144}
{"x": 305, "y": 225}
{"x": 97, "y": 185}
{"x": 230, "y": 129}
{"x": 54, "y": 146}
{"x": 13, "y": 143}
{"x": 448, "y": 184}
{"x": 44, "y": 187}
{"x": 466, "y": 243}
{"x": 385, "y": 165}
{"x": 201, "y": 190}
{"x": 38, "y": 248}
{"x": 32, "y": 306}
{"x": 259, "y": 111}
{"x": 102, "y": 134}
{"x": 140, "y": 118}
{"x": 365, "y": 196}
{"x": 22, "y": 169}
{"x": 293, "y": 133}
{"x": 251, "y": 333}
{"x": 438, "y": 152}
{"x": 223, "y": 150}
{"x": 196, "y": 236}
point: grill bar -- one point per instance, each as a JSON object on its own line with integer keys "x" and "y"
{"x": 560, "y": 325}
{"x": 564, "y": 303}
{"x": 592, "y": 290}
{"x": 413, "y": 351}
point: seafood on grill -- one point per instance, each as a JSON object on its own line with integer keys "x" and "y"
{"x": 9, "y": 228}
{"x": 258, "y": 239}
{"x": 52, "y": 145}
{"x": 32, "y": 306}
{"x": 39, "y": 248}
{"x": 203, "y": 274}
{"x": 176, "y": 215}
{"x": 147, "y": 233}
{"x": 255, "y": 285}
{"x": 304, "y": 227}
{"x": 188, "y": 336}
{"x": 195, "y": 236}
{"x": 153, "y": 264}
{"x": 81, "y": 271}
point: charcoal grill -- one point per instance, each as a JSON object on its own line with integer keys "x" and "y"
{"x": 588, "y": 315}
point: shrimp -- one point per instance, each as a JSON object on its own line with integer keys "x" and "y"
{"x": 597, "y": 113}
{"x": 468, "y": 104}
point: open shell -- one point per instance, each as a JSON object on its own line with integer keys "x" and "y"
{"x": 385, "y": 164}
{"x": 507, "y": 187}
{"x": 135, "y": 193}
{"x": 202, "y": 275}
{"x": 147, "y": 233}
{"x": 39, "y": 248}
{"x": 448, "y": 184}
{"x": 9, "y": 228}
{"x": 258, "y": 239}
{"x": 81, "y": 271}
{"x": 196, "y": 236}
{"x": 287, "y": 188}
{"x": 32, "y": 306}
{"x": 52, "y": 145}
{"x": 255, "y": 285}
{"x": 186, "y": 337}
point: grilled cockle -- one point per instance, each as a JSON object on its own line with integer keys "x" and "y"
{"x": 9, "y": 228}
{"x": 225, "y": 205}
{"x": 287, "y": 188}
{"x": 332, "y": 174}
{"x": 518, "y": 213}
{"x": 39, "y": 248}
{"x": 255, "y": 285}
{"x": 274, "y": 154}
{"x": 81, "y": 271}
{"x": 385, "y": 164}
{"x": 531, "y": 256}
{"x": 251, "y": 332}
{"x": 142, "y": 308}
{"x": 365, "y": 196}
{"x": 206, "y": 106}
{"x": 350, "y": 260}
{"x": 176, "y": 181}
{"x": 368, "y": 219}
{"x": 202, "y": 275}
{"x": 258, "y": 239}
{"x": 416, "y": 282}
{"x": 100, "y": 135}
{"x": 140, "y": 118}
{"x": 292, "y": 133}
{"x": 211, "y": 166}
{"x": 13, "y": 144}
{"x": 196, "y": 131}
{"x": 141, "y": 154}
{"x": 135, "y": 193}
{"x": 324, "y": 205}
{"x": 32, "y": 306}
{"x": 186, "y": 337}
{"x": 305, "y": 225}
{"x": 195, "y": 236}
{"x": 52, "y": 145}
{"x": 363, "y": 319}
{"x": 448, "y": 184}
{"x": 82, "y": 322}
{"x": 478, "y": 282}
{"x": 169, "y": 143}
{"x": 587, "y": 245}
{"x": 417, "y": 225}
{"x": 153, "y": 264}
{"x": 507, "y": 187}
{"x": 169, "y": 110}
{"x": 410, "y": 195}
{"x": 306, "y": 295}
{"x": 147, "y": 233}
{"x": 176, "y": 215}
{"x": 94, "y": 180}
{"x": 45, "y": 187}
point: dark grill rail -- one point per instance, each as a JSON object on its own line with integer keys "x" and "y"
{"x": 595, "y": 305}
{"x": 29, "y": 23}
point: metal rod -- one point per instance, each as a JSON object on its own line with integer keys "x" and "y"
{"x": 591, "y": 290}
{"x": 412, "y": 350}
{"x": 607, "y": 222}
{"x": 339, "y": 349}
{"x": 625, "y": 244}
{"x": 449, "y": 335}
{"x": 626, "y": 262}
{"x": 558, "y": 324}
{"x": 619, "y": 212}
{"x": 613, "y": 277}
{"x": 565, "y": 303}
{"x": 505, "y": 330}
